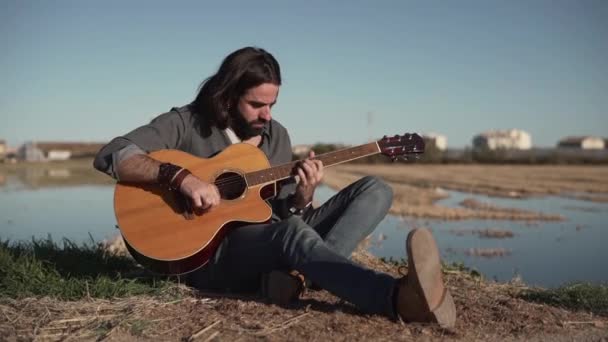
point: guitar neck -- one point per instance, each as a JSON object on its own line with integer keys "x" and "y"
{"x": 287, "y": 170}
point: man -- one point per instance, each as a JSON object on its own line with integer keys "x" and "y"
{"x": 234, "y": 105}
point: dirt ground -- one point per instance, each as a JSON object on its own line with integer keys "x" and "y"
{"x": 417, "y": 187}
{"x": 486, "y": 311}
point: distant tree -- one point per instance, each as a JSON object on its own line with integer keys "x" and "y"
{"x": 320, "y": 148}
{"x": 486, "y": 155}
{"x": 431, "y": 154}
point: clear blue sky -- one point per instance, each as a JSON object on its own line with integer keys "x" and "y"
{"x": 91, "y": 70}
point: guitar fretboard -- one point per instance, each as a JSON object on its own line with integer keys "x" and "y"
{"x": 331, "y": 158}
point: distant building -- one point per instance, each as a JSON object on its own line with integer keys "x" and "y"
{"x": 512, "y": 139}
{"x": 30, "y": 152}
{"x": 43, "y": 151}
{"x": 3, "y": 150}
{"x": 583, "y": 142}
{"x": 439, "y": 141}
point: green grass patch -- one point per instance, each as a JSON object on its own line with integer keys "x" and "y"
{"x": 138, "y": 326}
{"x": 71, "y": 272}
{"x": 584, "y": 296}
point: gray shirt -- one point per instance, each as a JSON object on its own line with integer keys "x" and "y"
{"x": 182, "y": 130}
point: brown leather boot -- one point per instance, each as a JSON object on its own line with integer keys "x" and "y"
{"x": 281, "y": 288}
{"x": 422, "y": 296}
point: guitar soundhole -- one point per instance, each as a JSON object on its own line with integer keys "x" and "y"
{"x": 231, "y": 185}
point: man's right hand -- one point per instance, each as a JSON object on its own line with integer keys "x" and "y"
{"x": 203, "y": 195}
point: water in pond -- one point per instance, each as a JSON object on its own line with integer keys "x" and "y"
{"x": 77, "y": 213}
{"x": 542, "y": 253}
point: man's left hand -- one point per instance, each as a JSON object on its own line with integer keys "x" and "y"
{"x": 310, "y": 171}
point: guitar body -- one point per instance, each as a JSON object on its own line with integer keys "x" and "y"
{"x": 153, "y": 222}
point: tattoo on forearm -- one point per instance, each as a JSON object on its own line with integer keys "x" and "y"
{"x": 138, "y": 168}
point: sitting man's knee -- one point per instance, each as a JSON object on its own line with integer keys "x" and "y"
{"x": 378, "y": 185}
{"x": 295, "y": 226}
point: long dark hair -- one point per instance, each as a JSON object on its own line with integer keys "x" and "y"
{"x": 241, "y": 70}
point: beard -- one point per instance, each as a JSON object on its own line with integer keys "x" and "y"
{"x": 242, "y": 127}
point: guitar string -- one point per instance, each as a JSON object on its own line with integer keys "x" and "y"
{"x": 230, "y": 180}
{"x": 235, "y": 179}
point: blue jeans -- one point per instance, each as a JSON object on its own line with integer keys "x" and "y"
{"x": 318, "y": 245}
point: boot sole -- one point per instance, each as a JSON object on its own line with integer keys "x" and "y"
{"x": 423, "y": 256}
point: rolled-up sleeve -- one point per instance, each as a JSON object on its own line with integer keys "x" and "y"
{"x": 167, "y": 131}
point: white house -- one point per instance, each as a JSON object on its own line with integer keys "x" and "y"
{"x": 435, "y": 139}
{"x": 49, "y": 150}
{"x": 30, "y": 152}
{"x": 583, "y": 142}
{"x": 3, "y": 149}
{"x": 512, "y": 139}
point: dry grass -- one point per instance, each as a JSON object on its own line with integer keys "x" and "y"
{"x": 417, "y": 187}
{"x": 487, "y": 311}
{"x": 497, "y": 180}
{"x": 490, "y": 233}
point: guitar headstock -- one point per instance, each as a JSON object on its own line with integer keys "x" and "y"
{"x": 409, "y": 144}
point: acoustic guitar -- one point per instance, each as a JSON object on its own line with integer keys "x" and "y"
{"x": 164, "y": 233}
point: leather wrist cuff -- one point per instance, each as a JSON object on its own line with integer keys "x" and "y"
{"x": 179, "y": 177}
{"x": 166, "y": 173}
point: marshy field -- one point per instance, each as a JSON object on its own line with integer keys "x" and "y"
{"x": 79, "y": 290}
{"x": 417, "y": 188}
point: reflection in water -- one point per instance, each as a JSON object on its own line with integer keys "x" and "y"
{"x": 76, "y": 213}
{"x": 42, "y": 175}
{"x": 68, "y": 199}
{"x": 586, "y": 208}
{"x": 59, "y": 173}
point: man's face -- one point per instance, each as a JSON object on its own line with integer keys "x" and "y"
{"x": 254, "y": 109}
